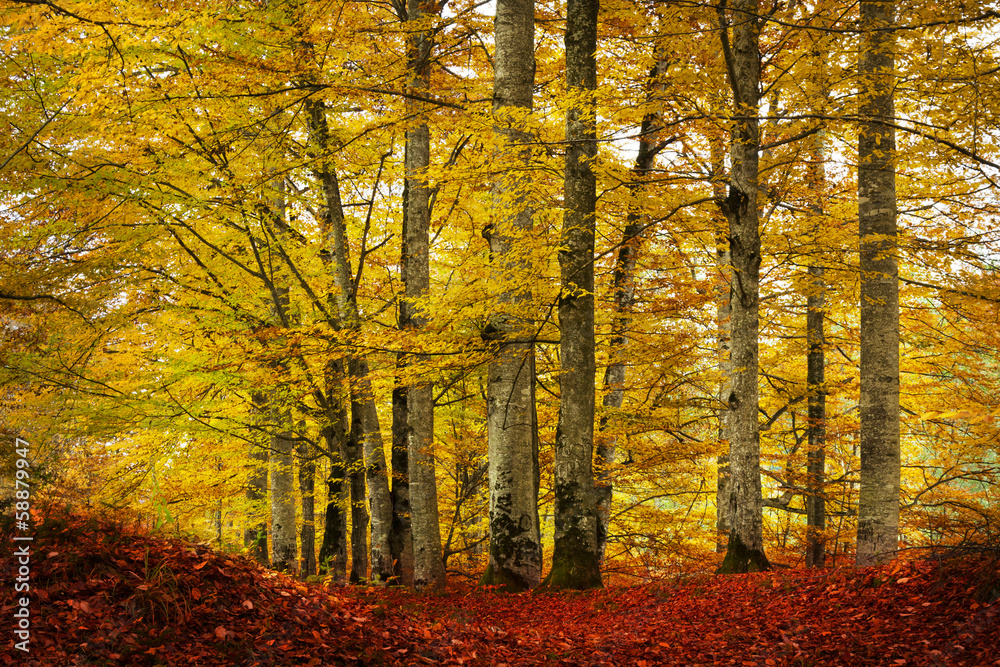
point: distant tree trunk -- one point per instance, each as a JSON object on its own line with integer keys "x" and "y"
{"x": 575, "y": 559}
{"x": 284, "y": 554}
{"x": 515, "y": 562}
{"x": 606, "y": 443}
{"x": 363, "y": 410}
{"x": 428, "y": 562}
{"x": 307, "y": 500}
{"x": 255, "y": 533}
{"x": 745, "y": 551}
{"x": 724, "y": 334}
{"x": 878, "y": 505}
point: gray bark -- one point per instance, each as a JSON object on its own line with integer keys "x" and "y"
{"x": 363, "y": 409}
{"x": 401, "y": 542}
{"x": 428, "y": 563}
{"x": 515, "y": 562}
{"x": 724, "y": 334}
{"x": 745, "y": 550}
{"x": 575, "y": 559}
{"x": 816, "y": 340}
{"x": 878, "y": 505}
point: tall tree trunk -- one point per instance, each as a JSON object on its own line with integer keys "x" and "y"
{"x": 575, "y": 559}
{"x": 284, "y": 554}
{"x": 428, "y": 563}
{"x": 401, "y": 544}
{"x": 307, "y": 500}
{"x": 606, "y": 443}
{"x": 745, "y": 551}
{"x": 816, "y": 334}
{"x": 878, "y": 505}
{"x": 515, "y": 562}
{"x": 724, "y": 334}
{"x": 363, "y": 410}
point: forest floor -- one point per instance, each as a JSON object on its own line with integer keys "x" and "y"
{"x": 105, "y": 592}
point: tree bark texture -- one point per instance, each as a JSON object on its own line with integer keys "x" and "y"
{"x": 575, "y": 559}
{"x": 428, "y": 563}
{"x": 723, "y": 348}
{"x": 816, "y": 336}
{"x": 878, "y": 505}
{"x": 515, "y": 562}
{"x": 745, "y": 551}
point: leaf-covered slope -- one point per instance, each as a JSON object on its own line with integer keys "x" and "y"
{"x": 104, "y": 593}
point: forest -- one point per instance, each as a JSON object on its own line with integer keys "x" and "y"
{"x": 516, "y": 293}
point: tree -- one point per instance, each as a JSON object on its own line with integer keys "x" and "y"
{"x": 428, "y": 564}
{"x": 745, "y": 551}
{"x": 878, "y": 504}
{"x": 606, "y": 442}
{"x": 576, "y": 560}
{"x": 515, "y": 562}
{"x": 815, "y": 329}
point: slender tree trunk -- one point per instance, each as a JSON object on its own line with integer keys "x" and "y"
{"x": 606, "y": 442}
{"x": 724, "y": 334}
{"x": 816, "y": 335}
{"x": 878, "y": 505}
{"x": 307, "y": 499}
{"x": 428, "y": 563}
{"x": 515, "y": 562}
{"x": 575, "y": 559}
{"x": 363, "y": 409}
{"x": 745, "y": 551}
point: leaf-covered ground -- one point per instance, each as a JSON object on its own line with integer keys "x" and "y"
{"x": 103, "y": 593}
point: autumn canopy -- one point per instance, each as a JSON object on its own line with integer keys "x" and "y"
{"x": 520, "y": 293}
